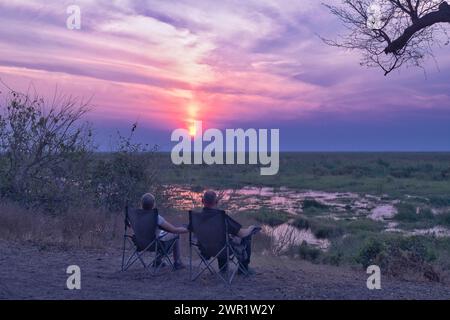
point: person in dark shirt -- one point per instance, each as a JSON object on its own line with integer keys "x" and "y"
{"x": 240, "y": 235}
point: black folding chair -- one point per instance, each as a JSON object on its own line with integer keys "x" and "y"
{"x": 209, "y": 238}
{"x": 144, "y": 241}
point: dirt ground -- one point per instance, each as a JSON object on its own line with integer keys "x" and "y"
{"x": 32, "y": 272}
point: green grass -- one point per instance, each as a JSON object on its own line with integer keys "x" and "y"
{"x": 424, "y": 175}
{"x": 397, "y": 174}
{"x": 363, "y": 225}
{"x": 407, "y": 212}
{"x": 416, "y": 215}
{"x": 324, "y": 228}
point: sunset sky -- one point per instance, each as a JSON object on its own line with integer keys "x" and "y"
{"x": 231, "y": 64}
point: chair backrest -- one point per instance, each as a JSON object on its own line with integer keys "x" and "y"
{"x": 144, "y": 224}
{"x": 210, "y": 229}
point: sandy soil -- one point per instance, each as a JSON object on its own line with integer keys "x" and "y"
{"x": 32, "y": 272}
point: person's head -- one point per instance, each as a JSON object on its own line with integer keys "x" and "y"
{"x": 148, "y": 201}
{"x": 210, "y": 199}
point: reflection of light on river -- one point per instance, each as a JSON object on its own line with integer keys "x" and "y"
{"x": 345, "y": 205}
{"x": 282, "y": 199}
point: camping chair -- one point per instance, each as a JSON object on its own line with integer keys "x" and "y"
{"x": 209, "y": 238}
{"x": 144, "y": 224}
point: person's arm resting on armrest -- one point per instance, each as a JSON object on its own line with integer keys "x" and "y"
{"x": 245, "y": 232}
{"x": 172, "y": 229}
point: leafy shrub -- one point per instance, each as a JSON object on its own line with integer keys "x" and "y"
{"x": 326, "y": 229}
{"x": 45, "y": 148}
{"x": 312, "y": 203}
{"x": 440, "y": 201}
{"x": 333, "y": 258}
{"x": 301, "y": 223}
{"x": 313, "y": 211}
{"x": 47, "y": 158}
{"x": 367, "y": 225}
{"x": 371, "y": 252}
{"x": 443, "y": 219}
{"x": 308, "y": 253}
{"x": 408, "y": 213}
{"x": 400, "y": 257}
{"x": 269, "y": 217}
{"x": 321, "y": 228}
{"x": 125, "y": 174}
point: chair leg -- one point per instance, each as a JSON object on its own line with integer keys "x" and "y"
{"x": 202, "y": 270}
{"x": 190, "y": 260}
{"x": 167, "y": 252}
{"x": 127, "y": 263}
{"x": 208, "y": 266}
{"x": 139, "y": 256}
{"x": 237, "y": 263}
{"x": 123, "y": 253}
{"x": 164, "y": 254}
{"x": 161, "y": 255}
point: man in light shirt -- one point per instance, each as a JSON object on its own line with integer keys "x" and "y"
{"x": 168, "y": 233}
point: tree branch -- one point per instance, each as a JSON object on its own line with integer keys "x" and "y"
{"x": 440, "y": 16}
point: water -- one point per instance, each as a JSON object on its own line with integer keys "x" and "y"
{"x": 337, "y": 206}
{"x": 287, "y": 200}
{"x": 383, "y": 212}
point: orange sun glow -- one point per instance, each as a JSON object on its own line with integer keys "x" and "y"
{"x": 192, "y": 130}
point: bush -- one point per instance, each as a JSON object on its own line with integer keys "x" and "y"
{"x": 269, "y": 217}
{"x": 440, "y": 201}
{"x": 371, "y": 252}
{"x": 366, "y": 225}
{"x": 47, "y": 158}
{"x": 312, "y": 203}
{"x": 443, "y": 219}
{"x": 400, "y": 257}
{"x": 45, "y": 148}
{"x": 326, "y": 229}
{"x": 301, "y": 223}
{"x": 334, "y": 259}
{"x": 312, "y": 211}
{"x": 408, "y": 213}
{"x": 125, "y": 175}
{"x": 321, "y": 228}
{"x": 308, "y": 253}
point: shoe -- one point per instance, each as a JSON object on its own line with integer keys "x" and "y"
{"x": 179, "y": 265}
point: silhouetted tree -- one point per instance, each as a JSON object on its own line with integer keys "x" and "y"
{"x": 392, "y": 33}
{"x": 43, "y": 145}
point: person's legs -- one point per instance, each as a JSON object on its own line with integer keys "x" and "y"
{"x": 247, "y": 242}
{"x": 243, "y": 251}
{"x": 223, "y": 264}
{"x": 168, "y": 239}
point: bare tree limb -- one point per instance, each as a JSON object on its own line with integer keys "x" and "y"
{"x": 392, "y": 33}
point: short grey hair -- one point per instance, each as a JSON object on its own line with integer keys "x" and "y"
{"x": 148, "y": 201}
{"x": 210, "y": 197}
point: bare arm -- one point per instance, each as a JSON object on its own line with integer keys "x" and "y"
{"x": 172, "y": 229}
{"x": 245, "y": 232}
